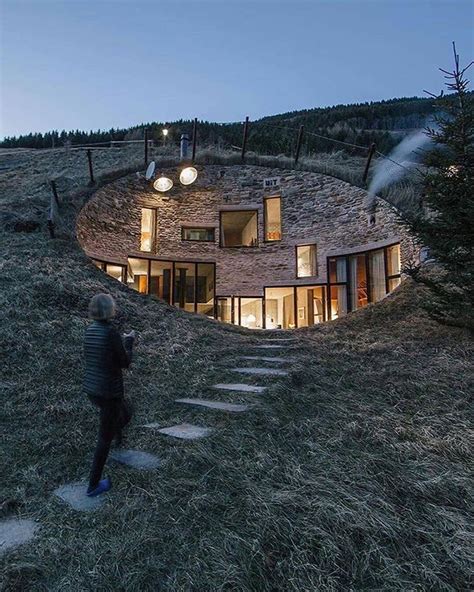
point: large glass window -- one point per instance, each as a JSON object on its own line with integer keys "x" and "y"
{"x": 197, "y": 234}
{"x": 161, "y": 279}
{"x": 338, "y": 301}
{"x": 306, "y": 261}
{"x": 137, "y": 274}
{"x": 185, "y": 286}
{"x": 251, "y": 313}
{"x": 280, "y": 308}
{"x": 310, "y": 305}
{"x": 377, "y": 275}
{"x": 147, "y": 236}
{"x": 224, "y": 309}
{"x": 337, "y": 287}
{"x": 205, "y": 289}
{"x": 393, "y": 267}
{"x": 272, "y": 217}
{"x": 358, "y": 281}
{"x": 239, "y": 228}
{"x": 116, "y": 271}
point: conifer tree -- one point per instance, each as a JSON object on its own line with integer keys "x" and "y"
{"x": 445, "y": 224}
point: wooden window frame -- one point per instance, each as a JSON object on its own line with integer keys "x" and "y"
{"x": 265, "y": 240}
{"x": 315, "y": 245}
{"x": 221, "y": 234}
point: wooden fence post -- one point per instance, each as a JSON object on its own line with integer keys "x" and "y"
{"x": 298, "y": 143}
{"x": 194, "y": 139}
{"x": 367, "y": 164}
{"x": 244, "y": 139}
{"x": 55, "y": 191}
{"x": 146, "y": 146}
{"x": 91, "y": 171}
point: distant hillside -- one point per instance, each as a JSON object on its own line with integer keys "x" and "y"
{"x": 382, "y": 122}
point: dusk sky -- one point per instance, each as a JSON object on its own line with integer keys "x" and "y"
{"x": 100, "y": 64}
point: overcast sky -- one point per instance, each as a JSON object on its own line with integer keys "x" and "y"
{"x": 92, "y": 64}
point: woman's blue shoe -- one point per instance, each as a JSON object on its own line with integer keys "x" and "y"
{"x": 104, "y": 485}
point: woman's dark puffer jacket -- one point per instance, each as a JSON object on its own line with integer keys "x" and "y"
{"x": 105, "y": 355}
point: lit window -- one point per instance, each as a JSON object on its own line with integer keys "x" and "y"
{"x": 147, "y": 236}
{"x": 306, "y": 261}
{"x": 272, "y": 218}
{"x": 137, "y": 275}
{"x": 393, "y": 267}
{"x": 239, "y": 228}
{"x": 116, "y": 271}
{"x": 197, "y": 234}
{"x": 280, "y": 308}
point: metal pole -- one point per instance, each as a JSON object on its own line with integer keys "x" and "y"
{"x": 298, "y": 143}
{"x": 91, "y": 172}
{"x": 244, "y": 140}
{"x": 194, "y": 138}
{"x": 367, "y": 165}
{"x": 146, "y": 146}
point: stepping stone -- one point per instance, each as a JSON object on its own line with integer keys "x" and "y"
{"x": 74, "y": 494}
{"x": 136, "y": 459}
{"x": 267, "y": 359}
{"x": 268, "y": 346}
{"x": 215, "y": 405}
{"x": 240, "y": 388}
{"x": 185, "y": 431}
{"x": 261, "y": 371}
{"x": 15, "y": 532}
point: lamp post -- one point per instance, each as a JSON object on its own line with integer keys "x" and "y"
{"x": 164, "y": 131}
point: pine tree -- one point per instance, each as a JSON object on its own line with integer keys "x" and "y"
{"x": 446, "y": 223}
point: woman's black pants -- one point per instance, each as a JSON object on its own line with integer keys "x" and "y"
{"x": 114, "y": 416}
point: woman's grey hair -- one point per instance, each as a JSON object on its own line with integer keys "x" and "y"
{"x": 102, "y": 307}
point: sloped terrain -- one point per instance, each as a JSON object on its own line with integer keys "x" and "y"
{"x": 350, "y": 473}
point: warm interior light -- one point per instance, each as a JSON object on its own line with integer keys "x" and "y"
{"x": 163, "y": 184}
{"x": 188, "y": 175}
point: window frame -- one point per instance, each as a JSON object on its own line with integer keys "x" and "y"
{"x": 265, "y": 240}
{"x": 154, "y": 219}
{"x": 221, "y": 234}
{"x": 315, "y": 245}
{"x": 198, "y": 240}
{"x": 172, "y": 301}
{"x": 347, "y": 283}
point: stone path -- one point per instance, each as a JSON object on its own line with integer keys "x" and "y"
{"x": 74, "y": 494}
{"x": 232, "y": 407}
{"x": 15, "y": 532}
{"x": 261, "y": 371}
{"x": 268, "y": 346}
{"x": 240, "y": 388}
{"x": 136, "y": 459}
{"x": 267, "y": 359}
{"x": 185, "y": 431}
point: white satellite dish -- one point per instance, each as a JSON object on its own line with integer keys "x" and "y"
{"x": 150, "y": 171}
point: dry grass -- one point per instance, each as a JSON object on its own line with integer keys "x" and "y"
{"x": 353, "y": 474}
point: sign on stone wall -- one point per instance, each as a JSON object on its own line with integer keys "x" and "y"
{"x": 271, "y": 182}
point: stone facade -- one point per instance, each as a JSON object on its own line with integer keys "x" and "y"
{"x": 315, "y": 209}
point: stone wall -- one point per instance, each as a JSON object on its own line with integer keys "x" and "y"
{"x": 315, "y": 209}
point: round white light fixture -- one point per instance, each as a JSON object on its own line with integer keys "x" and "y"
{"x": 165, "y": 132}
{"x": 188, "y": 175}
{"x": 163, "y": 184}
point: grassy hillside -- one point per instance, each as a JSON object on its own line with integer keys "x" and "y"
{"x": 351, "y": 474}
{"x": 382, "y": 122}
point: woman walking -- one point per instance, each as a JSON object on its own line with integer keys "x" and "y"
{"x": 105, "y": 355}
